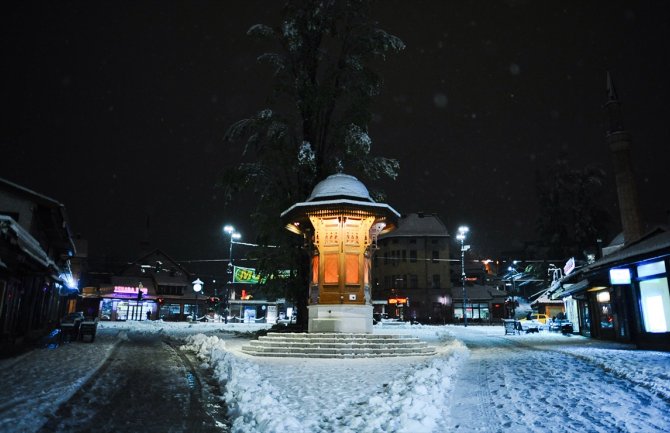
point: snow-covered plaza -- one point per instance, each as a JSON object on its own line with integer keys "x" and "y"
{"x": 480, "y": 380}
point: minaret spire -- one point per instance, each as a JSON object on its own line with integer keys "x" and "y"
{"x": 619, "y": 141}
{"x": 613, "y": 106}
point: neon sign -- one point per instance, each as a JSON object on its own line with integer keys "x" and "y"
{"x": 129, "y": 289}
{"x": 398, "y": 301}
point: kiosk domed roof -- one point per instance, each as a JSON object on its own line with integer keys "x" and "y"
{"x": 340, "y": 186}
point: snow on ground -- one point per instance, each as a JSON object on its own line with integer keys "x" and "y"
{"x": 500, "y": 383}
{"x": 400, "y": 394}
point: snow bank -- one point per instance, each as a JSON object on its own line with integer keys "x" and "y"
{"x": 266, "y": 395}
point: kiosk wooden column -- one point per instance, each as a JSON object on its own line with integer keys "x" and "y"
{"x": 341, "y": 223}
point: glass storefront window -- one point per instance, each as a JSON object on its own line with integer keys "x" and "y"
{"x": 473, "y": 311}
{"x": 649, "y": 269}
{"x": 106, "y": 309}
{"x": 655, "y": 301}
{"x": 169, "y": 312}
{"x": 606, "y": 317}
{"x": 122, "y": 310}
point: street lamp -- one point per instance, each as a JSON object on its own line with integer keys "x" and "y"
{"x": 197, "y": 287}
{"x": 233, "y": 236}
{"x": 513, "y": 306}
{"x": 462, "y": 230}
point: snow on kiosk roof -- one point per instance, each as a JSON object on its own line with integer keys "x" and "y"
{"x": 339, "y": 195}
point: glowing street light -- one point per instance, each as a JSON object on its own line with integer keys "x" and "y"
{"x": 197, "y": 287}
{"x": 233, "y": 236}
{"x": 462, "y": 230}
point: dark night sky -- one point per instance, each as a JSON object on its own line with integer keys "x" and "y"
{"x": 118, "y": 109}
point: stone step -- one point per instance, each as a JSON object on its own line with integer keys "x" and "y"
{"x": 337, "y": 336}
{"x": 338, "y": 340}
{"x": 267, "y": 343}
{"x": 334, "y": 355}
{"x": 330, "y": 356}
{"x": 261, "y": 348}
{"x": 335, "y": 345}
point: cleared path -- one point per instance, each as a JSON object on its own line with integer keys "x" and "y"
{"x": 146, "y": 385}
{"x": 513, "y": 384}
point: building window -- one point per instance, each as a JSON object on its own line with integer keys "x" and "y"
{"x": 330, "y": 271}
{"x": 404, "y": 255}
{"x": 412, "y": 256}
{"x": 436, "y": 256}
{"x": 654, "y": 297}
{"x": 170, "y": 290}
{"x": 412, "y": 241}
{"x": 476, "y": 311}
{"x": 413, "y": 281}
{"x": 436, "y": 281}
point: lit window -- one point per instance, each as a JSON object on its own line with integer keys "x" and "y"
{"x": 315, "y": 269}
{"x": 651, "y": 269}
{"x": 655, "y": 302}
{"x": 620, "y": 276}
{"x": 352, "y": 269}
{"x": 330, "y": 274}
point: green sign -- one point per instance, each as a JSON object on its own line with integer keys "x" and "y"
{"x": 246, "y": 275}
{"x": 249, "y": 275}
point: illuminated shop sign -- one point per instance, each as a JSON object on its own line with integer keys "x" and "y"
{"x": 620, "y": 276}
{"x": 129, "y": 289}
{"x": 400, "y": 301}
{"x": 569, "y": 266}
{"x": 249, "y": 275}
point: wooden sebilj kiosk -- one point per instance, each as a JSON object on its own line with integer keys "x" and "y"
{"x": 340, "y": 222}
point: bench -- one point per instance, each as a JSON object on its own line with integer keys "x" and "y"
{"x": 511, "y": 326}
{"x": 88, "y": 328}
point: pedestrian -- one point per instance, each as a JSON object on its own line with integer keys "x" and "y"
{"x": 148, "y": 315}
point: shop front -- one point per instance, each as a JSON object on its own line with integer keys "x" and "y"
{"x": 625, "y": 296}
{"x": 127, "y": 309}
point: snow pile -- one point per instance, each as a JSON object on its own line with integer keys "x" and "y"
{"x": 325, "y": 395}
{"x": 525, "y": 382}
{"x": 245, "y": 392}
{"x": 412, "y": 403}
{"x": 643, "y": 368}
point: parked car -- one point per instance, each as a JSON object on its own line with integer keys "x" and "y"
{"x": 542, "y": 318}
{"x": 530, "y": 324}
{"x": 561, "y": 325}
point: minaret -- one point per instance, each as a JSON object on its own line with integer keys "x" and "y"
{"x": 145, "y": 244}
{"x": 619, "y": 141}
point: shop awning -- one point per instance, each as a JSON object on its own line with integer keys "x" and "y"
{"x": 569, "y": 289}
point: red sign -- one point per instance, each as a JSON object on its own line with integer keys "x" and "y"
{"x": 397, "y": 300}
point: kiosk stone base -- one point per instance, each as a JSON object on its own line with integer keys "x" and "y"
{"x": 355, "y": 319}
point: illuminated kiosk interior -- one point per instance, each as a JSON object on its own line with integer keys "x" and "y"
{"x": 340, "y": 222}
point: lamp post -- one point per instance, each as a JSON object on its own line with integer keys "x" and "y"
{"x": 197, "y": 287}
{"x": 233, "y": 235}
{"x": 513, "y": 307}
{"x": 462, "y": 230}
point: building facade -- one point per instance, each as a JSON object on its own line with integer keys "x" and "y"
{"x": 151, "y": 287}
{"x": 411, "y": 271}
{"x": 625, "y": 295}
{"x": 37, "y": 286}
